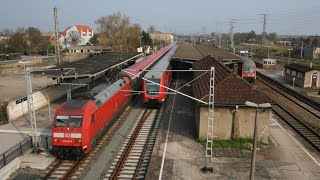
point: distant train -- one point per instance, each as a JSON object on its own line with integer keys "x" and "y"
{"x": 80, "y": 123}
{"x": 153, "y": 95}
{"x": 247, "y": 69}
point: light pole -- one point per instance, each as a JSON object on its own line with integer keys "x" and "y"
{"x": 253, "y": 160}
{"x": 268, "y": 52}
{"x": 289, "y": 55}
{"x": 140, "y": 40}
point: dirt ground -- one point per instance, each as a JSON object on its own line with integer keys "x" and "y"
{"x": 14, "y": 86}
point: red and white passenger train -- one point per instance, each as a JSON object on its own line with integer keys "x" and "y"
{"x": 247, "y": 69}
{"x": 79, "y": 123}
{"x": 153, "y": 91}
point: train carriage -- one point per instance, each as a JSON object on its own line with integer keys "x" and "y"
{"x": 247, "y": 69}
{"x": 153, "y": 95}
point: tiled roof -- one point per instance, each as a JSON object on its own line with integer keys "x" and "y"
{"x": 300, "y": 68}
{"x": 230, "y": 89}
{"x": 83, "y": 28}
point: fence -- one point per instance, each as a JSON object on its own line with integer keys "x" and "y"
{"x": 22, "y": 147}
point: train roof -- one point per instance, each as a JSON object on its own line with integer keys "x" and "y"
{"x": 104, "y": 92}
{"x": 158, "y": 69}
{"x": 135, "y": 69}
{"x": 248, "y": 62}
{"x": 74, "y": 104}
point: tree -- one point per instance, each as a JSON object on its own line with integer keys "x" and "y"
{"x": 73, "y": 38}
{"x": 34, "y": 37}
{"x": 146, "y": 40}
{"x": 94, "y": 40}
{"x": 151, "y": 29}
{"x": 18, "y": 42}
{"x": 251, "y": 36}
{"x": 117, "y": 32}
{"x": 272, "y": 37}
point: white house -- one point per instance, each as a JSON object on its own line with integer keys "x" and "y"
{"x": 75, "y": 35}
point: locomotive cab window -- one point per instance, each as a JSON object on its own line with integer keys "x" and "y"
{"x": 248, "y": 69}
{"x": 151, "y": 88}
{"x": 68, "y": 121}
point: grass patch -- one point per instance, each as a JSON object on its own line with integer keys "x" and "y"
{"x": 238, "y": 143}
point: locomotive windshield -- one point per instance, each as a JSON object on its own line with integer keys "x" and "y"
{"x": 151, "y": 88}
{"x": 248, "y": 69}
{"x": 68, "y": 121}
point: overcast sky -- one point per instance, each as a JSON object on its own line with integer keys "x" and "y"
{"x": 292, "y": 17}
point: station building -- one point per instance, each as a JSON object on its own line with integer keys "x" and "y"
{"x": 232, "y": 118}
{"x": 303, "y": 76}
{"x": 266, "y": 63}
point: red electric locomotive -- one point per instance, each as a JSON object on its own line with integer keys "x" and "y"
{"x": 153, "y": 95}
{"x": 80, "y": 123}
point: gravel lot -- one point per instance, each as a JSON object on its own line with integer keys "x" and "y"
{"x": 13, "y": 87}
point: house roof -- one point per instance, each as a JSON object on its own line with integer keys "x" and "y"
{"x": 80, "y": 28}
{"x": 229, "y": 89}
{"x": 299, "y": 68}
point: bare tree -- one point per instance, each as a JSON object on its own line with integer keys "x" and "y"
{"x": 74, "y": 38}
{"x": 117, "y": 32}
{"x": 34, "y": 37}
{"x": 151, "y": 29}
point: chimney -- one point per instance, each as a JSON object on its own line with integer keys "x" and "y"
{"x": 311, "y": 64}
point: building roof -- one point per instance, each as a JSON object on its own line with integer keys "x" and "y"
{"x": 88, "y": 48}
{"x": 89, "y": 67}
{"x": 230, "y": 89}
{"x": 83, "y": 28}
{"x": 299, "y": 68}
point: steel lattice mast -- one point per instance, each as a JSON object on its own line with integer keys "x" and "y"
{"x": 32, "y": 117}
{"x": 56, "y": 35}
{"x": 210, "y": 124}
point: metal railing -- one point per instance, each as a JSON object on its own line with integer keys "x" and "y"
{"x": 21, "y": 148}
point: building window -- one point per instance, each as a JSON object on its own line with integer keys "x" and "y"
{"x": 288, "y": 71}
{"x": 293, "y": 73}
{"x": 300, "y": 75}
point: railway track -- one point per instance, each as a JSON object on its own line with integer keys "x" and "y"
{"x": 133, "y": 158}
{"x": 302, "y": 116}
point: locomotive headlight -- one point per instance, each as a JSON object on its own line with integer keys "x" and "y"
{"x": 55, "y": 140}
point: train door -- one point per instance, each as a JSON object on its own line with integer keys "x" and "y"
{"x": 314, "y": 80}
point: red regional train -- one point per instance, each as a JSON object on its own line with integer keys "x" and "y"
{"x": 79, "y": 123}
{"x": 153, "y": 95}
{"x": 247, "y": 69}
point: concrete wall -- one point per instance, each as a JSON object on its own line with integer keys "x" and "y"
{"x": 11, "y": 67}
{"x": 243, "y": 125}
{"x": 70, "y": 57}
